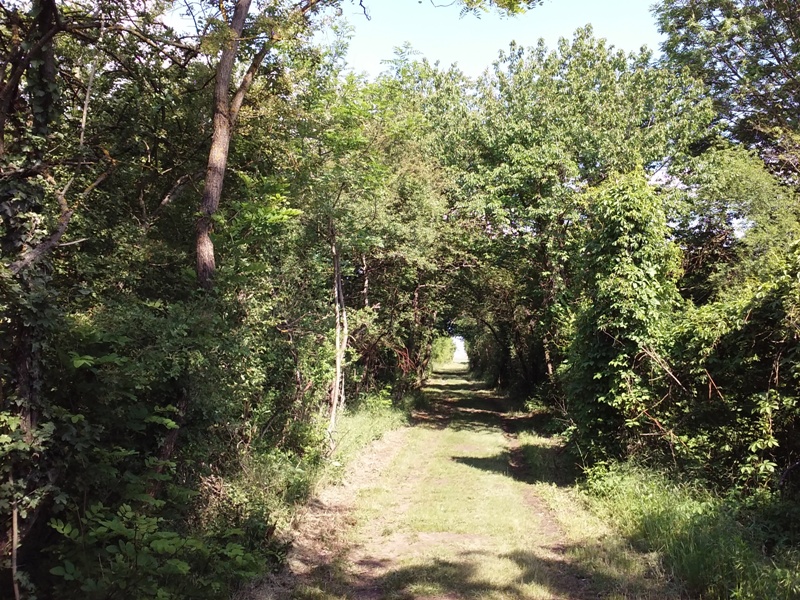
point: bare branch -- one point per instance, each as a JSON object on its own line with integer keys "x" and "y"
{"x": 73, "y": 242}
{"x": 786, "y": 472}
{"x": 37, "y": 253}
{"x": 247, "y": 81}
{"x": 663, "y": 364}
{"x": 176, "y": 188}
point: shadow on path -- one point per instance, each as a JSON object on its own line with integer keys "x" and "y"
{"x": 546, "y": 564}
{"x": 450, "y": 391}
{"x": 463, "y": 577}
{"x": 460, "y": 403}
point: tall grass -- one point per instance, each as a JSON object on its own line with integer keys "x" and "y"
{"x": 698, "y": 535}
{"x": 373, "y": 416}
{"x": 263, "y": 497}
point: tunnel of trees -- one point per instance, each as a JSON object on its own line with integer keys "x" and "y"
{"x": 214, "y": 242}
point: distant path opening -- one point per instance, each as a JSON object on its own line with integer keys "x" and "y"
{"x": 460, "y": 355}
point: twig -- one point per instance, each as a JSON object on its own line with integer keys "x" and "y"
{"x": 89, "y": 84}
{"x": 714, "y": 383}
{"x": 782, "y": 480}
{"x": 14, "y": 542}
{"x": 72, "y": 243}
{"x": 662, "y": 363}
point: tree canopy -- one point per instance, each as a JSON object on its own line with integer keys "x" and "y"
{"x": 215, "y": 242}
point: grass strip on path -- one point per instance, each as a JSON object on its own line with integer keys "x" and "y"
{"x": 460, "y": 505}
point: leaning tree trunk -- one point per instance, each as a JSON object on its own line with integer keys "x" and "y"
{"x": 341, "y": 331}
{"x": 341, "y": 335}
{"x": 226, "y": 110}
{"x": 220, "y": 143}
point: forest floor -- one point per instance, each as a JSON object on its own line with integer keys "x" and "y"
{"x": 466, "y": 502}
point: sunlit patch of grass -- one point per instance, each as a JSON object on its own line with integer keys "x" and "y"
{"x": 314, "y": 592}
{"x": 451, "y": 368}
{"x": 695, "y": 533}
{"x": 606, "y": 557}
{"x": 464, "y": 486}
{"x": 457, "y": 481}
{"x": 479, "y": 575}
{"x": 456, "y": 516}
{"x": 461, "y": 519}
{"x": 594, "y": 546}
{"x": 356, "y": 429}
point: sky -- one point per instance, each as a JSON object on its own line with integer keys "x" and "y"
{"x": 473, "y": 43}
{"x": 460, "y": 354}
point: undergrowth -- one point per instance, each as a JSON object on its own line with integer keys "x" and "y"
{"x": 276, "y": 485}
{"x": 281, "y": 482}
{"x": 717, "y": 548}
{"x": 358, "y": 426}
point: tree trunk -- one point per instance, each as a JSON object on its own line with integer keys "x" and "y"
{"x": 43, "y": 71}
{"x": 547, "y": 359}
{"x": 22, "y": 351}
{"x": 365, "y": 292}
{"x": 19, "y": 61}
{"x": 522, "y": 357}
{"x": 226, "y": 110}
{"x": 335, "y": 388}
{"x": 340, "y": 312}
{"x": 220, "y": 143}
{"x": 343, "y": 341}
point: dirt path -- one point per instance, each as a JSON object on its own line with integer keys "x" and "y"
{"x": 459, "y": 506}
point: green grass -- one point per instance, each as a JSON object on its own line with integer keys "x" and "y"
{"x": 274, "y": 474}
{"x": 452, "y": 509}
{"x": 357, "y": 428}
{"x": 618, "y": 570}
{"x": 700, "y": 541}
{"x": 456, "y": 514}
{"x": 452, "y": 518}
{"x": 271, "y": 485}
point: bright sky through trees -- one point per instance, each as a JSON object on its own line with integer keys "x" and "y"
{"x": 438, "y": 33}
{"x": 460, "y": 355}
